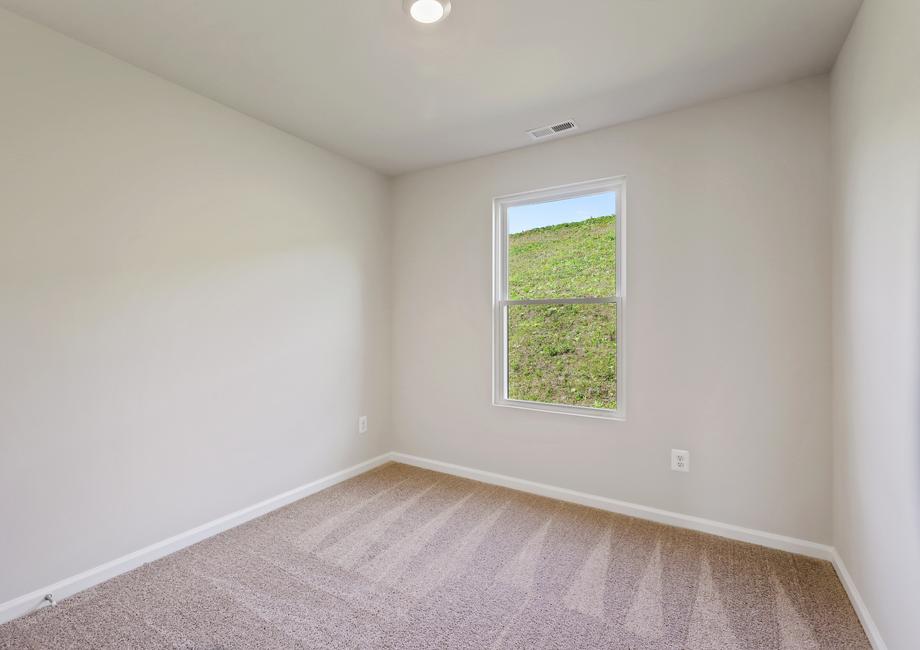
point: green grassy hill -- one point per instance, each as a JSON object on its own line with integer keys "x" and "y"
{"x": 564, "y": 354}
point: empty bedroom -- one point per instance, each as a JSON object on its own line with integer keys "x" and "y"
{"x": 474, "y": 324}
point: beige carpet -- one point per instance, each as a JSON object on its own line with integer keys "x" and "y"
{"x": 405, "y": 558}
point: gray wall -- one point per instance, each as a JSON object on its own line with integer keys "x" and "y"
{"x": 727, "y": 313}
{"x": 193, "y": 309}
{"x": 876, "y": 127}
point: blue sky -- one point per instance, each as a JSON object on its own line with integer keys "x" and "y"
{"x": 537, "y": 215}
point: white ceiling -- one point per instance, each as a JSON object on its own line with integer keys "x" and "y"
{"x": 358, "y": 77}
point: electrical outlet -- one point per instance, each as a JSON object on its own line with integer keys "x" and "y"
{"x": 362, "y": 424}
{"x": 680, "y": 460}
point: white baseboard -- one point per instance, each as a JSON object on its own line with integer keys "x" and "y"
{"x": 770, "y": 540}
{"x": 868, "y": 623}
{"x": 68, "y": 586}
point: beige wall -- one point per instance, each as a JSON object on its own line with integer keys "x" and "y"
{"x": 193, "y": 309}
{"x": 876, "y": 128}
{"x": 728, "y": 351}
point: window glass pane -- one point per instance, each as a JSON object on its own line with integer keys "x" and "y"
{"x": 563, "y": 354}
{"x": 563, "y": 249}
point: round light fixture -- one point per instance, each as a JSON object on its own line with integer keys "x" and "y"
{"x": 427, "y": 11}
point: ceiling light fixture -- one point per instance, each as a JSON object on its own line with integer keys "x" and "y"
{"x": 427, "y": 11}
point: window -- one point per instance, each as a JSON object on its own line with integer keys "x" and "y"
{"x": 558, "y": 299}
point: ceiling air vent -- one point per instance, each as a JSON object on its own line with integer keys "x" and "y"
{"x": 553, "y": 129}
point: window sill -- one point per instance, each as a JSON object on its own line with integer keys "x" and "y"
{"x": 563, "y": 409}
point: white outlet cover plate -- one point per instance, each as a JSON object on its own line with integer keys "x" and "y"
{"x": 680, "y": 460}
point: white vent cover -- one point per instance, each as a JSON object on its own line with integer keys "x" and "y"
{"x": 553, "y": 129}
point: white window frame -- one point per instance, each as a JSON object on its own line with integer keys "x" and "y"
{"x": 501, "y": 302}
